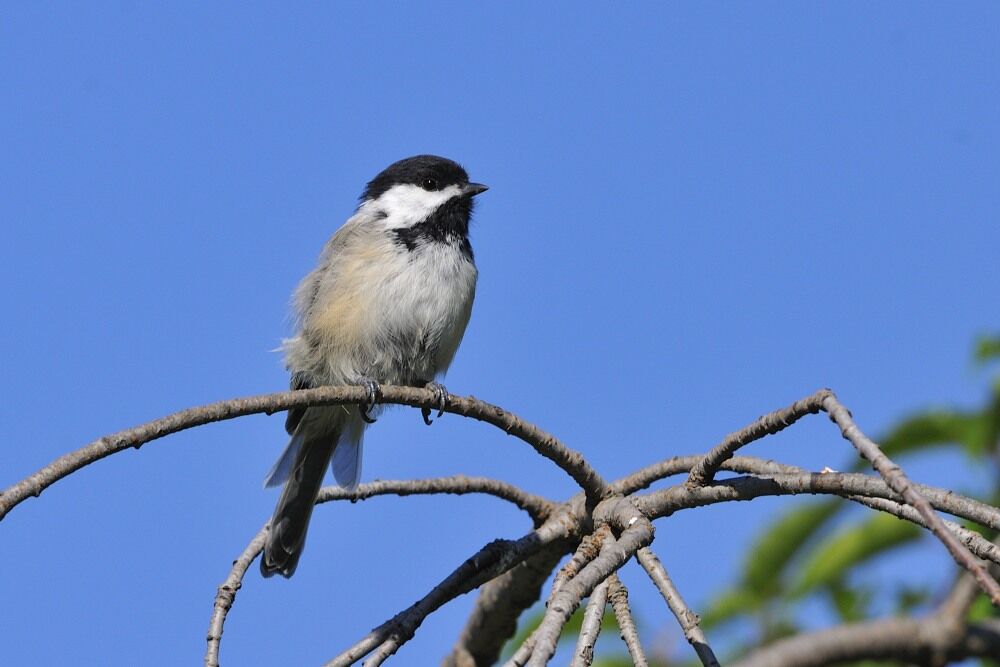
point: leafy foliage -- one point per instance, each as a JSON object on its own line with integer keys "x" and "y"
{"x": 831, "y": 561}
{"x": 818, "y": 551}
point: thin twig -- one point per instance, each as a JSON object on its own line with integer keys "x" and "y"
{"x": 537, "y": 507}
{"x": 226, "y": 595}
{"x": 498, "y": 606}
{"x": 593, "y": 615}
{"x": 523, "y": 653}
{"x": 637, "y": 533}
{"x": 941, "y": 499}
{"x": 769, "y": 424}
{"x": 457, "y": 484}
{"x": 900, "y": 483}
{"x": 618, "y": 595}
{"x": 492, "y": 560}
{"x": 588, "y": 549}
{"x": 572, "y": 462}
{"x": 973, "y": 541}
{"x": 676, "y": 465}
{"x": 660, "y": 503}
{"x": 963, "y": 594}
{"x": 688, "y": 619}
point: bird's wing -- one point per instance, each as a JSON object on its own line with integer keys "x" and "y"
{"x": 307, "y": 293}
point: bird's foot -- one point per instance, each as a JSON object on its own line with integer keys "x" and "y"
{"x": 443, "y": 397}
{"x": 374, "y": 392}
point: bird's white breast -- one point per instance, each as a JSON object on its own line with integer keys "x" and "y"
{"x": 384, "y": 312}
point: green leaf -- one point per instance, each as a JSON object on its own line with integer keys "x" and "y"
{"x": 729, "y": 605}
{"x": 780, "y": 542}
{"x": 987, "y": 348}
{"x": 525, "y": 628}
{"x": 570, "y": 631}
{"x": 938, "y": 427}
{"x": 981, "y": 609}
{"x": 613, "y": 661}
{"x": 851, "y": 604}
{"x": 831, "y": 560}
{"x": 909, "y": 598}
{"x": 768, "y": 558}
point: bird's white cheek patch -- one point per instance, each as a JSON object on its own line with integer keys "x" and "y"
{"x": 407, "y": 205}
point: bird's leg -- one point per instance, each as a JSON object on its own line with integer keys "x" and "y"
{"x": 443, "y": 397}
{"x": 374, "y": 393}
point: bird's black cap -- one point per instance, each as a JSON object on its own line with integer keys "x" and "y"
{"x": 427, "y": 171}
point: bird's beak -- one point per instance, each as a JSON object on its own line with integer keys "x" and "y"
{"x": 473, "y": 189}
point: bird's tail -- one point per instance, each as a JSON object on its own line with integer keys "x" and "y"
{"x": 310, "y": 449}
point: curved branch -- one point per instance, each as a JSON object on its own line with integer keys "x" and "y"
{"x": 676, "y": 465}
{"x": 457, "y": 484}
{"x": 975, "y": 542}
{"x": 769, "y": 424}
{"x": 226, "y": 595}
{"x": 901, "y": 484}
{"x": 500, "y": 603}
{"x": 572, "y": 462}
{"x": 661, "y": 503}
{"x": 489, "y": 562}
{"x": 853, "y": 486}
{"x": 493, "y": 559}
{"x": 906, "y": 639}
{"x": 537, "y": 507}
{"x": 985, "y": 514}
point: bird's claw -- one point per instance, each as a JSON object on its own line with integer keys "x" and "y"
{"x": 443, "y": 397}
{"x": 374, "y": 392}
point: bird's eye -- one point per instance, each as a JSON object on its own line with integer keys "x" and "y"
{"x": 430, "y": 184}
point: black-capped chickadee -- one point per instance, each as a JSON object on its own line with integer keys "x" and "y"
{"x": 389, "y": 302}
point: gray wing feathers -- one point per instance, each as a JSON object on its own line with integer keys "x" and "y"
{"x": 307, "y": 293}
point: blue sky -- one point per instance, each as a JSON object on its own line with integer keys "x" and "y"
{"x": 697, "y": 213}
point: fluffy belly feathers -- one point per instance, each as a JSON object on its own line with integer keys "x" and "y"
{"x": 399, "y": 326}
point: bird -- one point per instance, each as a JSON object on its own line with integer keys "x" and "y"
{"x": 388, "y": 302}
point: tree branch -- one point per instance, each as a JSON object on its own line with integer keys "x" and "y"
{"x": 572, "y": 462}
{"x": 457, "y": 484}
{"x": 226, "y": 595}
{"x": 984, "y": 514}
{"x": 636, "y": 533}
{"x": 537, "y": 507}
{"x": 660, "y": 504}
{"x": 499, "y": 604}
{"x": 900, "y": 483}
{"x": 516, "y": 570}
{"x": 769, "y": 424}
{"x": 593, "y": 615}
{"x": 618, "y": 595}
{"x": 904, "y": 639}
{"x": 492, "y": 560}
{"x": 688, "y": 619}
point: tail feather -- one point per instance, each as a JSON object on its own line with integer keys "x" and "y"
{"x": 287, "y": 535}
{"x": 348, "y": 454}
{"x": 285, "y": 463}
